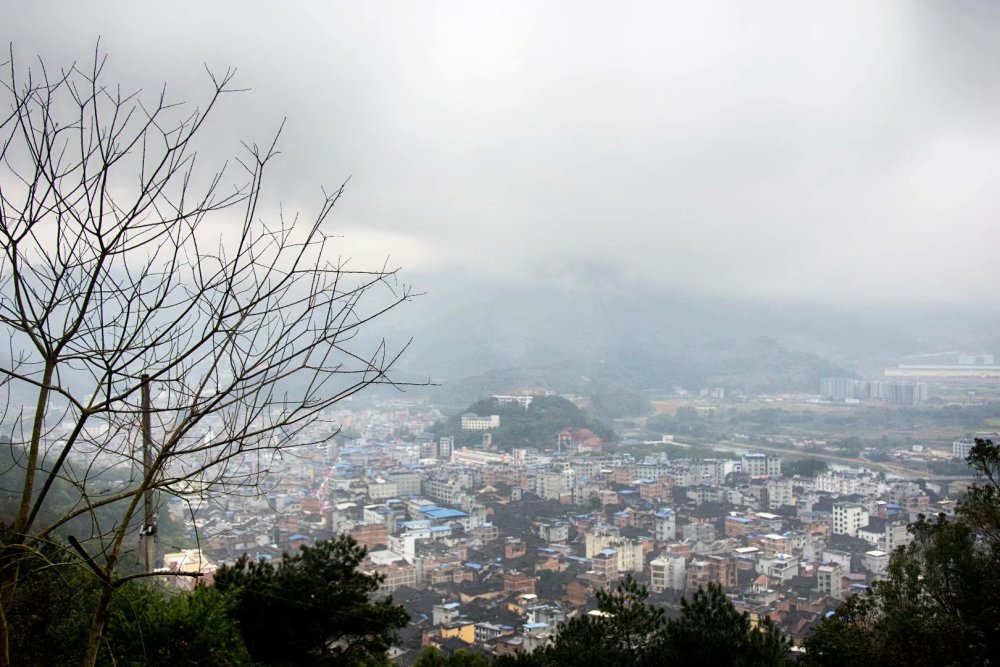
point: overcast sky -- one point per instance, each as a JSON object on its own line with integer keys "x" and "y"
{"x": 783, "y": 149}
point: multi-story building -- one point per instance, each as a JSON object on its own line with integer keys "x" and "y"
{"x": 518, "y": 582}
{"x": 371, "y": 535}
{"x": 667, "y": 572}
{"x": 523, "y": 400}
{"x": 779, "y": 493}
{"x": 756, "y": 464}
{"x": 445, "y": 446}
{"x": 712, "y": 471}
{"x": 447, "y": 491}
{"x": 605, "y": 565}
{"x": 486, "y": 632}
{"x": 514, "y": 547}
{"x": 829, "y": 578}
{"x": 717, "y": 569}
{"x": 396, "y": 576}
{"x": 631, "y": 555}
{"x": 557, "y": 531}
{"x": 381, "y": 489}
{"x": 473, "y": 422}
{"x": 549, "y": 484}
{"x": 477, "y": 457}
{"x": 848, "y": 518}
{"x": 779, "y": 566}
{"x": 698, "y": 532}
{"x": 665, "y": 525}
{"x": 408, "y": 482}
{"x": 962, "y": 447}
{"x": 598, "y": 538}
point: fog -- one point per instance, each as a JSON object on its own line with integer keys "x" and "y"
{"x": 774, "y": 151}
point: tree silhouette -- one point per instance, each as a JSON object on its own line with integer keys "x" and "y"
{"x": 124, "y": 269}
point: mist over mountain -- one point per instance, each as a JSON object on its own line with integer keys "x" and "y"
{"x": 474, "y": 336}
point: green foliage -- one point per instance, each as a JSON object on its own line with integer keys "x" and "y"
{"x": 51, "y": 608}
{"x": 535, "y": 426}
{"x": 940, "y": 601}
{"x": 632, "y": 631}
{"x": 55, "y": 601}
{"x": 803, "y": 467}
{"x": 313, "y": 608}
{"x": 433, "y": 657}
{"x": 710, "y": 631}
{"x": 197, "y": 628}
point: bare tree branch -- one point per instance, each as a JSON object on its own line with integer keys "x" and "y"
{"x": 118, "y": 259}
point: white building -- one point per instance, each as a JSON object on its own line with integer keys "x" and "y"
{"x": 779, "y": 492}
{"x": 598, "y": 539}
{"x": 631, "y": 557}
{"x": 848, "y": 518}
{"x": 665, "y": 525}
{"x": 381, "y": 489}
{"x": 667, "y": 572}
{"x": 473, "y": 422}
{"x": 779, "y": 566}
{"x": 467, "y": 456}
{"x": 524, "y": 401}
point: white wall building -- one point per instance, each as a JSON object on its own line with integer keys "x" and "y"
{"x": 667, "y": 572}
{"x": 848, "y": 518}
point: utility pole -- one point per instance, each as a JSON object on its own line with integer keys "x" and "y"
{"x": 149, "y": 515}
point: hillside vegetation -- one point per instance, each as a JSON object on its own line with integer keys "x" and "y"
{"x": 536, "y": 426}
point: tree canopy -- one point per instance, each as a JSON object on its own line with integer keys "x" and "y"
{"x": 939, "y": 603}
{"x": 535, "y": 426}
{"x": 312, "y": 608}
{"x": 629, "y": 630}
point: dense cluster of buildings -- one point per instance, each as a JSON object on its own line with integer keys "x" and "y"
{"x": 491, "y": 550}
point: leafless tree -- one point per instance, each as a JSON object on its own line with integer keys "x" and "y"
{"x": 120, "y": 259}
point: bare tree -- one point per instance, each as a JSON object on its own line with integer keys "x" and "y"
{"x": 125, "y": 269}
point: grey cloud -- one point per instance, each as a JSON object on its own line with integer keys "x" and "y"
{"x": 774, "y": 149}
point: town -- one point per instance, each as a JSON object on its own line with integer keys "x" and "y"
{"x": 490, "y": 549}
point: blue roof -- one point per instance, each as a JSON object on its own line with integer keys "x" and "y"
{"x": 443, "y": 513}
{"x": 474, "y": 566}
